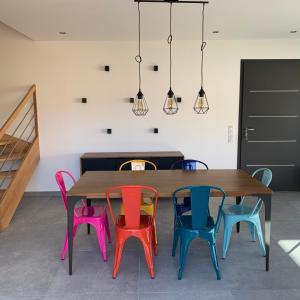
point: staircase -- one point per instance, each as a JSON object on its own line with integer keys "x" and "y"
{"x": 19, "y": 155}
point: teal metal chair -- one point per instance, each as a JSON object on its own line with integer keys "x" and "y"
{"x": 198, "y": 224}
{"x": 233, "y": 214}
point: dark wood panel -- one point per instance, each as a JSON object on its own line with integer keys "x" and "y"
{"x": 112, "y": 161}
{"x": 275, "y": 103}
{"x": 284, "y": 178}
{"x": 271, "y": 74}
{"x": 131, "y": 155}
{"x": 274, "y": 128}
{"x": 269, "y": 126}
{"x": 271, "y": 153}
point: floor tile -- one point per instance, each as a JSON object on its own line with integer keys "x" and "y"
{"x": 30, "y": 267}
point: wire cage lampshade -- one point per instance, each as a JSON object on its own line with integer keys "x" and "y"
{"x": 201, "y": 104}
{"x": 140, "y": 107}
{"x": 170, "y": 105}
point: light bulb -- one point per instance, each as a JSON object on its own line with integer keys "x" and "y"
{"x": 170, "y": 105}
{"x": 140, "y": 104}
{"x": 201, "y": 104}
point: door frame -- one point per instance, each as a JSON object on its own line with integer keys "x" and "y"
{"x": 240, "y": 134}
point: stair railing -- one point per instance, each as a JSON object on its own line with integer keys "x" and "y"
{"x": 22, "y": 127}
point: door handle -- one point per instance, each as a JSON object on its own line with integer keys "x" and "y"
{"x": 246, "y": 132}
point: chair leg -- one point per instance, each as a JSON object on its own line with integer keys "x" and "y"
{"x": 214, "y": 258}
{"x": 184, "y": 248}
{"x": 65, "y": 248}
{"x": 66, "y": 244}
{"x": 120, "y": 241}
{"x": 252, "y": 231}
{"x": 175, "y": 241}
{"x": 101, "y": 240}
{"x": 148, "y": 255}
{"x": 106, "y": 224}
{"x": 260, "y": 236}
{"x": 88, "y": 203}
{"x": 226, "y": 237}
{"x": 155, "y": 235}
{"x": 148, "y": 209}
{"x": 154, "y": 240}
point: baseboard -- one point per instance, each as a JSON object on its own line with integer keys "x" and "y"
{"x": 42, "y": 194}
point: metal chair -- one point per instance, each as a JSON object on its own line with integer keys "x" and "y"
{"x": 141, "y": 165}
{"x": 197, "y": 225}
{"x": 133, "y": 223}
{"x": 189, "y": 165}
{"x": 233, "y": 214}
{"x": 94, "y": 215}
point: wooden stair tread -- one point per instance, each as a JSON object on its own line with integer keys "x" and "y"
{"x": 14, "y": 156}
{"x": 7, "y": 174}
{"x": 1, "y": 193}
{"x": 7, "y": 140}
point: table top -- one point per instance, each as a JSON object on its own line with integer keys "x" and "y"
{"x": 96, "y": 155}
{"x": 94, "y": 184}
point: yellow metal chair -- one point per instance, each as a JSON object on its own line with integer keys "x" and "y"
{"x": 147, "y": 204}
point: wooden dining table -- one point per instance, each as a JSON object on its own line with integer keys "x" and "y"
{"x": 235, "y": 183}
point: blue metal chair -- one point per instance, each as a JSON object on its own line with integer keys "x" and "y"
{"x": 187, "y": 165}
{"x": 233, "y": 214}
{"x": 199, "y": 224}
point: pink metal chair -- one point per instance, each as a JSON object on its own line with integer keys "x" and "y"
{"x": 83, "y": 214}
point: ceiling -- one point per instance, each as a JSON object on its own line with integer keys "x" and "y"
{"x": 42, "y": 20}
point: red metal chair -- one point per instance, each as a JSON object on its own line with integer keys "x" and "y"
{"x": 133, "y": 223}
{"x": 94, "y": 215}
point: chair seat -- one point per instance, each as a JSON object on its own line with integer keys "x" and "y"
{"x": 237, "y": 210}
{"x": 90, "y": 211}
{"x": 186, "y": 221}
{"x": 145, "y": 221}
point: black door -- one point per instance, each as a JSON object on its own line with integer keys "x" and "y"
{"x": 269, "y": 128}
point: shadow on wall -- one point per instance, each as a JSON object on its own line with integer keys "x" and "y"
{"x": 43, "y": 177}
{"x": 10, "y": 98}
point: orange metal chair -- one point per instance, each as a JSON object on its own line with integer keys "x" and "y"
{"x": 140, "y": 165}
{"x": 133, "y": 223}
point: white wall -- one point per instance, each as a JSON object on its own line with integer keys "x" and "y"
{"x": 66, "y": 71}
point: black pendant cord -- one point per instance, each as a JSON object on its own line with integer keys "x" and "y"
{"x": 138, "y": 58}
{"x": 170, "y": 40}
{"x": 203, "y": 44}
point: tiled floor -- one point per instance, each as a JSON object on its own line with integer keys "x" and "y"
{"x": 30, "y": 267}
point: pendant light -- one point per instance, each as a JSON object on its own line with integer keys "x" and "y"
{"x": 201, "y": 104}
{"x": 140, "y": 107}
{"x": 170, "y": 105}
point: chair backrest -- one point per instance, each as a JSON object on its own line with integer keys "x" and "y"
{"x": 59, "y": 177}
{"x": 200, "y": 197}
{"x": 265, "y": 176}
{"x": 137, "y": 165}
{"x": 131, "y": 199}
{"x": 189, "y": 165}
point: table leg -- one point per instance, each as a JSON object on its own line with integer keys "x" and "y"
{"x": 238, "y": 201}
{"x": 70, "y": 210}
{"x": 88, "y": 203}
{"x": 267, "y": 199}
